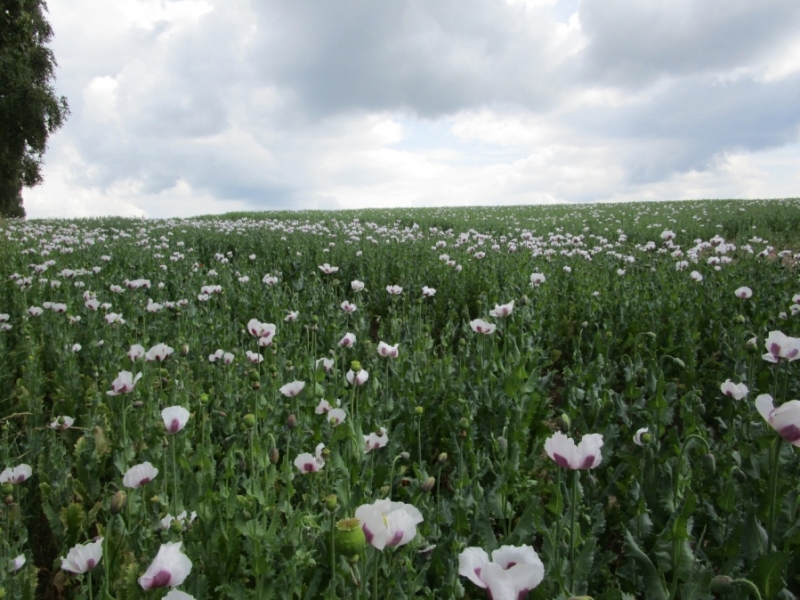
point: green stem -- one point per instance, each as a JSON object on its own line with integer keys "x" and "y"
{"x": 573, "y": 522}
{"x": 684, "y": 447}
{"x": 750, "y": 585}
{"x": 775, "y": 459}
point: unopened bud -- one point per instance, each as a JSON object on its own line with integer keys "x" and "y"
{"x": 137, "y": 404}
{"x": 274, "y": 456}
{"x": 564, "y": 423}
{"x": 503, "y": 443}
{"x": 442, "y": 458}
{"x": 118, "y": 501}
{"x": 184, "y": 349}
{"x": 405, "y": 456}
{"x": 204, "y": 398}
{"x": 721, "y": 584}
{"x": 291, "y": 421}
{"x": 428, "y": 484}
{"x": 8, "y": 500}
{"x": 710, "y": 462}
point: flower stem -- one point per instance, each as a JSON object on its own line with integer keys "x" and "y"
{"x": 775, "y": 459}
{"x": 573, "y": 522}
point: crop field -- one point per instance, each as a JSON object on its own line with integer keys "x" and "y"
{"x": 515, "y": 402}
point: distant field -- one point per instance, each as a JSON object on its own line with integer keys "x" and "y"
{"x": 482, "y": 341}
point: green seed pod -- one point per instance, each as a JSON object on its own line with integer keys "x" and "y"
{"x": 349, "y": 538}
{"x": 249, "y": 420}
{"x": 418, "y": 410}
{"x": 331, "y": 502}
{"x": 355, "y": 366}
{"x": 254, "y": 375}
{"x": 463, "y": 424}
{"x": 204, "y": 399}
{"x": 6, "y": 489}
{"x": 314, "y": 319}
{"x": 176, "y": 526}
{"x": 739, "y": 319}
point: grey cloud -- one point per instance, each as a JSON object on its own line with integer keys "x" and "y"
{"x": 633, "y": 43}
{"x": 429, "y": 58}
{"x": 691, "y": 124}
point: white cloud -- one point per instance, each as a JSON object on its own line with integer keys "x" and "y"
{"x": 208, "y": 106}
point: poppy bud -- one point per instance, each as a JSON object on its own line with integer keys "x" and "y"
{"x": 204, "y": 398}
{"x": 442, "y": 458}
{"x": 428, "y": 484}
{"x": 710, "y": 462}
{"x": 738, "y": 474}
{"x": 291, "y": 422}
{"x": 9, "y": 500}
{"x": 418, "y": 410}
{"x": 138, "y": 404}
{"x": 331, "y": 502}
{"x": 256, "y": 385}
{"x": 355, "y": 366}
{"x": 118, "y": 501}
{"x": 222, "y": 414}
{"x": 405, "y": 456}
{"x": 564, "y": 423}
{"x": 349, "y": 539}
{"x": 274, "y": 456}
{"x": 503, "y": 443}
{"x": 184, "y": 349}
{"x": 721, "y": 584}
{"x": 249, "y": 420}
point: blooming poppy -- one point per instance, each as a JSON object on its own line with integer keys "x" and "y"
{"x": 310, "y": 463}
{"x": 83, "y": 557}
{"x": 481, "y": 326}
{"x": 139, "y": 475}
{"x": 502, "y": 310}
{"x": 292, "y": 389}
{"x": 386, "y": 523}
{"x": 781, "y": 346}
{"x": 16, "y": 474}
{"x": 737, "y": 391}
{"x": 784, "y": 419}
{"x": 375, "y": 440}
{"x": 388, "y": 351}
{"x": 512, "y": 572}
{"x": 348, "y": 340}
{"x": 566, "y": 454}
{"x": 124, "y": 383}
{"x": 169, "y": 568}
{"x": 359, "y": 378}
{"x": 175, "y": 418}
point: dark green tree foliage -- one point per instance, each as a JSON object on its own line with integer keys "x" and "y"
{"x": 29, "y": 108}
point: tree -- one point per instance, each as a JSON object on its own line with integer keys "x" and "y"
{"x": 29, "y": 108}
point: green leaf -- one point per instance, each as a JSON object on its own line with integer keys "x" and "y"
{"x": 583, "y": 567}
{"x": 769, "y": 572}
{"x": 652, "y": 579}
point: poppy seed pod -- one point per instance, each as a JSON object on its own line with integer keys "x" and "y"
{"x": 349, "y": 538}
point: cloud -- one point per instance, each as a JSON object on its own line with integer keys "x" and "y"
{"x": 207, "y": 106}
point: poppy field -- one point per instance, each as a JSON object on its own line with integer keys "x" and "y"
{"x": 543, "y": 402}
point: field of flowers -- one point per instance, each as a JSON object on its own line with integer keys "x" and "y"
{"x": 537, "y": 402}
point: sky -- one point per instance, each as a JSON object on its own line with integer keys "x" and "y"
{"x": 189, "y": 107}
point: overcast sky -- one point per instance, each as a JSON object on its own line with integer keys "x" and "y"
{"x": 209, "y": 106}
